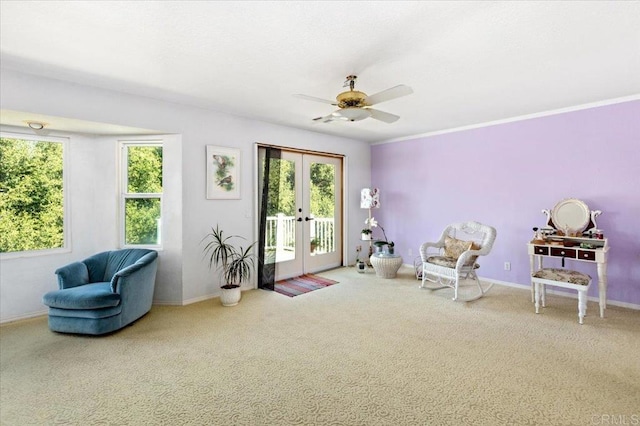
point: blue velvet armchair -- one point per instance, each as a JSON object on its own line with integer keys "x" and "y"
{"x": 104, "y": 292}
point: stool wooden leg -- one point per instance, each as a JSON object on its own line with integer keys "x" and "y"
{"x": 582, "y": 305}
{"x": 533, "y": 292}
{"x": 543, "y": 295}
{"x": 536, "y": 291}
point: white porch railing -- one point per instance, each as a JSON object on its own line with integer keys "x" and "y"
{"x": 280, "y": 234}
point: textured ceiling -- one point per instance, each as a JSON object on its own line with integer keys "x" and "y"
{"x": 467, "y": 62}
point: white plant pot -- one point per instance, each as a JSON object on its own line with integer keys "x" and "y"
{"x": 230, "y": 296}
{"x": 366, "y": 237}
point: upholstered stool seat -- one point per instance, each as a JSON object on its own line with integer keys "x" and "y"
{"x": 565, "y": 278}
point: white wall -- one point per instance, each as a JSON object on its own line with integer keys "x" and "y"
{"x": 185, "y": 276}
{"x": 23, "y": 280}
{"x": 93, "y": 202}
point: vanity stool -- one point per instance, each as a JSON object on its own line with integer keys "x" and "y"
{"x": 565, "y": 278}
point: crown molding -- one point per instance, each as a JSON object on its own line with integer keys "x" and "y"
{"x": 517, "y": 118}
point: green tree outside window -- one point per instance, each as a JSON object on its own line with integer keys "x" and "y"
{"x": 31, "y": 195}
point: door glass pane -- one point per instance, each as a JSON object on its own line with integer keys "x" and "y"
{"x": 281, "y": 220}
{"x": 142, "y": 221}
{"x": 323, "y": 201}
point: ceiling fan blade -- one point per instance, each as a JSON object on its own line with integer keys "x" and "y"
{"x": 325, "y": 119}
{"x": 387, "y": 95}
{"x": 313, "y": 98}
{"x": 383, "y": 116}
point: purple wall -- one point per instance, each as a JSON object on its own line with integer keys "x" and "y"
{"x": 505, "y": 174}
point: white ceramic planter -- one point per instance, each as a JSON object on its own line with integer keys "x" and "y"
{"x": 365, "y": 237}
{"x": 230, "y": 296}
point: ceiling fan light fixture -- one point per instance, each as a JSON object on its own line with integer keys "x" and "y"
{"x": 355, "y": 105}
{"x": 353, "y": 114}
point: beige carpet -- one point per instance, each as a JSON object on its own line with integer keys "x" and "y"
{"x": 366, "y": 351}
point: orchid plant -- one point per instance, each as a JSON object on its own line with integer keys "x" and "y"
{"x": 373, "y": 223}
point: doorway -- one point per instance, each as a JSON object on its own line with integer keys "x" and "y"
{"x": 300, "y": 210}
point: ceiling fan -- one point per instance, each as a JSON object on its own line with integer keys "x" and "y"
{"x": 355, "y": 105}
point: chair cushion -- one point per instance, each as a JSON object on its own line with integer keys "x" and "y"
{"x": 447, "y": 262}
{"x": 86, "y": 313}
{"x": 562, "y": 275}
{"x": 88, "y": 296}
{"x": 453, "y": 247}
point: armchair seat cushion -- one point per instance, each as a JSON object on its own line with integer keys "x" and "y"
{"x": 88, "y": 296}
{"x": 86, "y": 313}
{"x": 447, "y": 262}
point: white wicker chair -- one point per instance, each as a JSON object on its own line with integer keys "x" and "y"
{"x": 440, "y": 271}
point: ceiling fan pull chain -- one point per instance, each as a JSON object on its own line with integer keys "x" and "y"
{"x": 350, "y": 81}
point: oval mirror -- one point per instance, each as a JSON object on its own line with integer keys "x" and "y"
{"x": 570, "y": 215}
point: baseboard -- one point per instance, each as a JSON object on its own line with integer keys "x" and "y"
{"x": 207, "y": 297}
{"x": 572, "y": 295}
{"x": 167, "y": 302}
{"x": 184, "y": 302}
{"x": 199, "y": 299}
{"x": 23, "y": 317}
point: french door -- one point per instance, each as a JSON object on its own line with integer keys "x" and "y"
{"x": 303, "y": 223}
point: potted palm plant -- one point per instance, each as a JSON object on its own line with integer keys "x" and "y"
{"x": 233, "y": 263}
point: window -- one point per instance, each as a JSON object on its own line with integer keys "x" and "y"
{"x": 32, "y": 193}
{"x": 141, "y": 201}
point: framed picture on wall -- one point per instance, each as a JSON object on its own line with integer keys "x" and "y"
{"x": 223, "y": 173}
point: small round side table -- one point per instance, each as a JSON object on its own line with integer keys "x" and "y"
{"x": 386, "y": 265}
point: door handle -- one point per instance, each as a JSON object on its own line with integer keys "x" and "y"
{"x": 299, "y": 219}
{"x": 307, "y": 219}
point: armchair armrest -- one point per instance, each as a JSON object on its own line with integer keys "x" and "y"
{"x": 133, "y": 272}
{"x": 468, "y": 257}
{"x": 425, "y": 252}
{"x": 72, "y": 275}
{"x": 120, "y": 276}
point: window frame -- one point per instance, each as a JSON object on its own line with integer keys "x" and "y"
{"x": 125, "y": 195}
{"x": 66, "y": 200}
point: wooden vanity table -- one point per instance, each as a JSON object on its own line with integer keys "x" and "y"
{"x": 573, "y": 220}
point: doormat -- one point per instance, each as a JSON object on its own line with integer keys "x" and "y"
{"x": 303, "y": 284}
